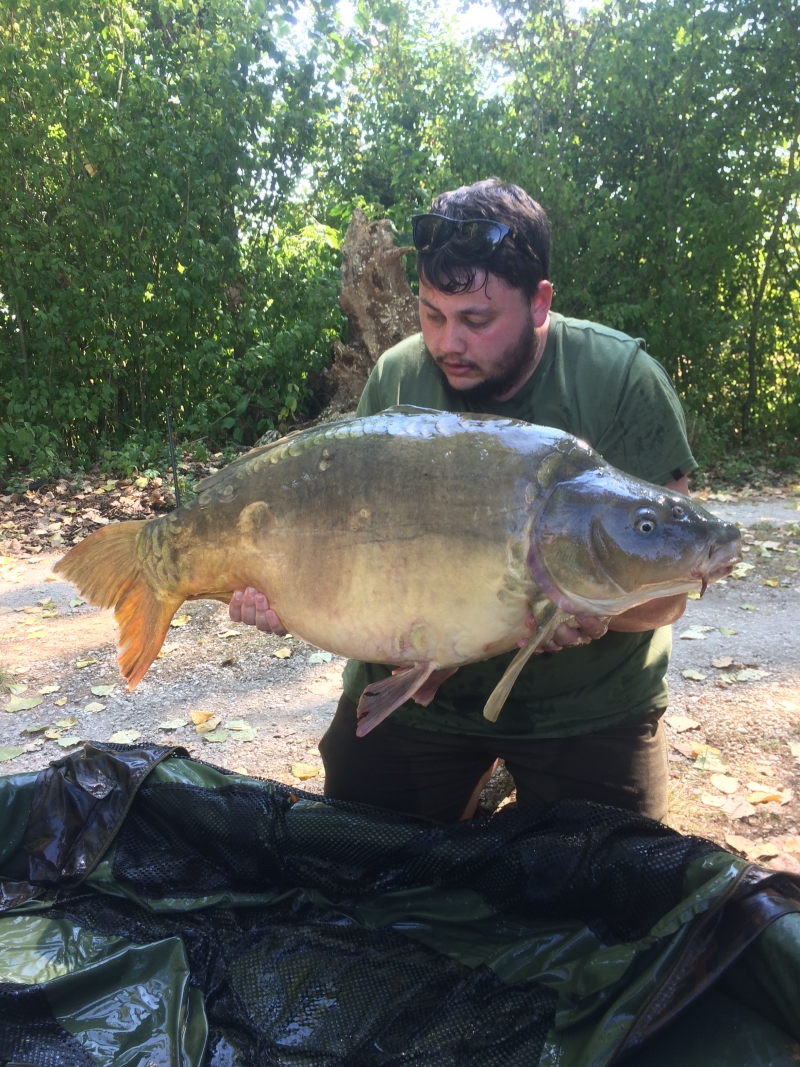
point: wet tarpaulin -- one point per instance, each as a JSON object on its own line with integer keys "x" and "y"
{"x": 158, "y": 911}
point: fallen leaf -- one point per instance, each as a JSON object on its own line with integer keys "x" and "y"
{"x": 696, "y": 633}
{"x": 727, "y": 632}
{"x": 679, "y": 723}
{"x": 750, "y": 675}
{"x": 68, "y": 742}
{"x": 215, "y": 735}
{"x": 51, "y": 734}
{"x": 30, "y": 610}
{"x": 791, "y": 843}
{"x": 173, "y": 724}
{"x": 140, "y": 483}
{"x": 103, "y": 690}
{"x": 49, "y": 614}
{"x": 95, "y": 705}
{"x": 712, "y": 801}
{"x": 790, "y": 568}
{"x": 18, "y": 687}
{"x": 725, "y": 783}
{"x": 60, "y": 702}
{"x": 76, "y": 602}
{"x": 282, "y": 653}
{"x": 794, "y": 748}
{"x": 23, "y": 703}
{"x": 46, "y": 603}
{"x": 81, "y": 663}
{"x": 699, "y": 749}
{"x": 694, "y": 595}
{"x": 737, "y": 808}
{"x": 762, "y": 850}
{"x": 761, "y": 796}
{"x": 320, "y": 657}
{"x": 200, "y": 716}
{"x": 37, "y": 729}
{"x": 209, "y": 725}
{"x": 682, "y": 747}
{"x": 49, "y": 689}
{"x": 741, "y": 570}
{"x": 747, "y": 607}
{"x": 693, "y": 675}
{"x": 9, "y": 752}
{"x": 180, "y": 620}
{"x": 125, "y": 737}
{"x": 305, "y": 770}
{"x": 165, "y": 651}
{"x": 739, "y": 843}
{"x": 40, "y": 631}
{"x": 245, "y": 733}
{"x": 773, "y": 583}
{"x": 721, "y": 662}
{"x": 65, "y": 724}
{"x": 229, "y": 633}
{"x": 707, "y": 761}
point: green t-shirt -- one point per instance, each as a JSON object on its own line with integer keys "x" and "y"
{"x": 601, "y": 386}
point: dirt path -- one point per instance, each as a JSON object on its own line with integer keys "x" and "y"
{"x": 55, "y": 652}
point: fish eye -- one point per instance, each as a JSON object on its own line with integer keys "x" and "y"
{"x": 678, "y": 512}
{"x": 645, "y": 522}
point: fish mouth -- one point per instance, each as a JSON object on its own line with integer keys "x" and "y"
{"x": 718, "y": 562}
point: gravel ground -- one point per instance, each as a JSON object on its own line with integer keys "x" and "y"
{"x": 283, "y": 703}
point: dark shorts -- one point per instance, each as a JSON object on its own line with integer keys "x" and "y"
{"x": 434, "y": 774}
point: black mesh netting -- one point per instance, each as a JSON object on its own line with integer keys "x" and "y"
{"x": 30, "y": 1035}
{"x": 296, "y": 984}
{"x": 616, "y": 871}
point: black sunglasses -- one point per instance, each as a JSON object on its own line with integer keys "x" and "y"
{"x": 470, "y": 239}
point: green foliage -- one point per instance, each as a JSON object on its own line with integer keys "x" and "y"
{"x": 149, "y": 254}
{"x": 176, "y": 177}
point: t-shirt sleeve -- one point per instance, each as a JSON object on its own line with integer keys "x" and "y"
{"x": 647, "y": 437}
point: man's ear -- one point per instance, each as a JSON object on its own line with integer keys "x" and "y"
{"x": 540, "y": 303}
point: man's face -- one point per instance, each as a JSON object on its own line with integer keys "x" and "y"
{"x": 485, "y": 341}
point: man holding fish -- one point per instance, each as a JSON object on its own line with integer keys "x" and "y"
{"x": 583, "y": 718}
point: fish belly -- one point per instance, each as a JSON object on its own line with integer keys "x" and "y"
{"x": 398, "y": 601}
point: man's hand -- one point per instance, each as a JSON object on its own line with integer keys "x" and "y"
{"x": 584, "y": 629}
{"x": 252, "y": 608}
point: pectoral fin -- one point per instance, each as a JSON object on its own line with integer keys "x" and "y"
{"x": 547, "y": 625}
{"x": 381, "y": 698}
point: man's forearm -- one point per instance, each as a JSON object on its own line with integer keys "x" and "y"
{"x": 660, "y": 612}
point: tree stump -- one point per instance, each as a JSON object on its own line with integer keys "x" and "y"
{"x": 377, "y": 300}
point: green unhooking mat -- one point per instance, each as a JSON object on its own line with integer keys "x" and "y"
{"x": 158, "y": 912}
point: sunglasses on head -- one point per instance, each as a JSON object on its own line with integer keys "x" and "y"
{"x": 472, "y": 239}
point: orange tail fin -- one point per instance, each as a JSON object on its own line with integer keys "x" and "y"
{"x": 106, "y": 570}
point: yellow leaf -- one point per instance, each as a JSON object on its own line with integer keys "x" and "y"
{"x": 60, "y": 702}
{"x": 47, "y": 603}
{"x": 66, "y": 723}
{"x": 773, "y": 583}
{"x": 305, "y": 770}
{"x": 81, "y": 663}
{"x": 698, "y": 749}
{"x": 694, "y": 675}
{"x": 200, "y": 716}
{"x": 209, "y": 725}
{"x": 180, "y": 620}
{"x": 52, "y": 735}
{"x": 282, "y": 653}
{"x": 103, "y": 690}
{"x": 761, "y": 796}
{"x": 23, "y": 703}
{"x": 95, "y": 706}
{"x": 141, "y": 483}
{"x": 693, "y": 595}
{"x": 49, "y": 689}
{"x": 229, "y": 633}
{"x": 721, "y": 662}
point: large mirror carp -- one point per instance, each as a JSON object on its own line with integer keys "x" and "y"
{"x": 417, "y": 538}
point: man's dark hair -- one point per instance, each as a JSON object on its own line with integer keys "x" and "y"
{"x": 511, "y": 260}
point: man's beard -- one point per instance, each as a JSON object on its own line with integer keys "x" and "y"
{"x": 515, "y": 364}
